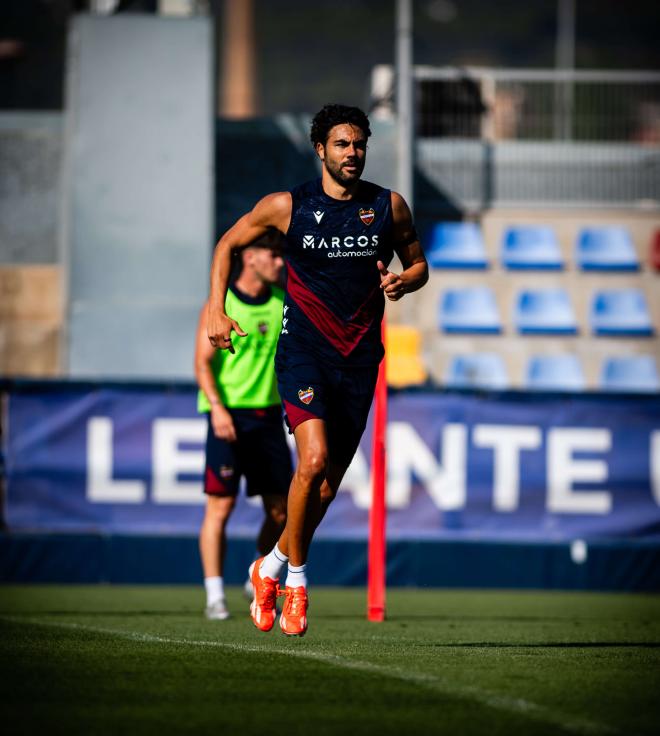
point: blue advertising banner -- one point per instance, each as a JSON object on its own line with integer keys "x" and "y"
{"x": 508, "y": 467}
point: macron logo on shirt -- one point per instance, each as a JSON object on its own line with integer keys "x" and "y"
{"x": 318, "y": 216}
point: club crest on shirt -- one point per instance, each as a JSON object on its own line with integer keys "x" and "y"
{"x": 262, "y": 327}
{"x": 306, "y": 394}
{"x": 367, "y": 216}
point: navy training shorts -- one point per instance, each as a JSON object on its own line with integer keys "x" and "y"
{"x": 260, "y": 453}
{"x": 341, "y": 397}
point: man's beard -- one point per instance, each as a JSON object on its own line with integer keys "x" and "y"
{"x": 341, "y": 177}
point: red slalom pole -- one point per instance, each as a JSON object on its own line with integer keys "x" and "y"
{"x": 376, "y": 572}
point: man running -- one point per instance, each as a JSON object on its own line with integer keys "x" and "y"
{"x": 341, "y": 233}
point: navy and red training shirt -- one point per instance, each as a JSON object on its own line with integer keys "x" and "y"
{"x": 334, "y": 305}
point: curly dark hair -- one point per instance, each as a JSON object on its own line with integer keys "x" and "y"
{"x": 331, "y": 115}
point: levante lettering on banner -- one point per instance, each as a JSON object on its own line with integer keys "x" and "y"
{"x": 444, "y": 478}
{"x": 458, "y": 466}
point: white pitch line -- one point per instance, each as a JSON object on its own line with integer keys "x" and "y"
{"x": 519, "y": 706}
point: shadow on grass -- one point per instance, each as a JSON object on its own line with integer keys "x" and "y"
{"x": 547, "y": 645}
{"x": 104, "y": 614}
{"x": 462, "y": 618}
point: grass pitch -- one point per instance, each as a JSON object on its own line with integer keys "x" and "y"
{"x": 110, "y": 659}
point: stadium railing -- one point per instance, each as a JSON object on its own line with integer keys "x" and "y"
{"x": 521, "y": 137}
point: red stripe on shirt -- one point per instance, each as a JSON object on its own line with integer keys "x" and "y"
{"x": 344, "y": 336}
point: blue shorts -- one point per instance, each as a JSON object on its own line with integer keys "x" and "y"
{"x": 341, "y": 397}
{"x": 260, "y": 453}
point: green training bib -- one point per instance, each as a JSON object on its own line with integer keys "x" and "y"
{"x": 246, "y": 379}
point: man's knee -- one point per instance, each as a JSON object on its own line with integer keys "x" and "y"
{"x": 218, "y": 509}
{"x": 312, "y": 465}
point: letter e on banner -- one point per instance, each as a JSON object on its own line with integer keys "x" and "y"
{"x": 564, "y": 470}
{"x": 169, "y": 460}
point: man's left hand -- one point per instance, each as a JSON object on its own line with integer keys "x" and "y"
{"x": 390, "y": 283}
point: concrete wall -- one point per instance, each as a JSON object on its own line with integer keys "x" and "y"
{"x": 31, "y": 301}
{"x": 30, "y": 171}
{"x": 137, "y": 222}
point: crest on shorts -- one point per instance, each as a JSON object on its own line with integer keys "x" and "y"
{"x": 226, "y": 471}
{"x": 367, "y": 216}
{"x": 306, "y": 394}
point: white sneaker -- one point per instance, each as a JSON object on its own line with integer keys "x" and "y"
{"x": 248, "y": 589}
{"x": 217, "y": 611}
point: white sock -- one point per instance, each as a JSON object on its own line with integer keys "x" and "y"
{"x": 296, "y": 577}
{"x": 214, "y": 590}
{"x": 273, "y": 563}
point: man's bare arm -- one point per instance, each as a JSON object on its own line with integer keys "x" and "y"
{"x": 271, "y": 212}
{"x": 409, "y": 250}
{"x": 204, "y": 353}
{"x": 221, "y": 419}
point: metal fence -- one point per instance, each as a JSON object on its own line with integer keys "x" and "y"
{"x": 502, "y": 136}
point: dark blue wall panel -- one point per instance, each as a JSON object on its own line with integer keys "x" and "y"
{"x": 48, "y": 558}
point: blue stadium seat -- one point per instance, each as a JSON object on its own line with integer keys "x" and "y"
{"x": 544, "y": 311}
{"x": 456, "y": 245}
{"x": 531, "y": 247}
{"x": 554, "y": 373}
{"x": 477, "y": 370}
{"x": 469, "y": 310}
{"x": 605, "y": 249}
{"x": 620, "y": 312}
{"x": 630, "y": 373}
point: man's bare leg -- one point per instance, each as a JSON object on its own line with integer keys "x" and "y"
{"x": 273, "y": 524}
{"x": 327, "y": 493}
{"x": 212, "y": 548}
{"x": 304, "y": 503}
{"x": 303, "y": 510}
{"x": 313, "y": 486}
{"x": 212, "y": 535}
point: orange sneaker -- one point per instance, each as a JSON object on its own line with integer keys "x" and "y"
{"x": 293, "y": 620}
{"x": 262, "y": 608}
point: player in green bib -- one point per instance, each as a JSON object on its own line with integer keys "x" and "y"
{"x": 245, "y": 380}
{"x": 238, "y": 392}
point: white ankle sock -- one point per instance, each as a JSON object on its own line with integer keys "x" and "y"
{"x": 296, "y": 577}
{"x": 273, "y": 563}
{"x": 214, "y": 590}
